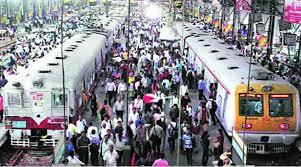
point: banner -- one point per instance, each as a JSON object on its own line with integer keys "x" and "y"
{"x": 292, "y": 11}
{"x": 243, "y": 5}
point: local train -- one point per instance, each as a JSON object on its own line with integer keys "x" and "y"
{"x": 272, "y": 105}
{"x": 33, "y": 99}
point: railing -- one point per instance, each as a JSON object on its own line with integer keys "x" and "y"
{"x": 49, "y": 142}
{"x": 22, "y": 142}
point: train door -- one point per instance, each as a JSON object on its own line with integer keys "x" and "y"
{"x": 209, "y": 81}
{"x": 221, "y": 101}
{"x": 191, "y": 56}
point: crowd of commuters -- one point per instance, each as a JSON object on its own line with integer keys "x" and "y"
{"x": 36, "y": 44}
{"x": 160, "y": 113}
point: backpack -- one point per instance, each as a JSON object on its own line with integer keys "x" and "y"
{"x": 174, "y": 132}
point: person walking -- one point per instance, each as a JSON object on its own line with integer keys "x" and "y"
{"x": 187, "y": 144}
{"x": 118, "y": 108}
{"x": 104, "y": 145}
{"x": 93, "y": 104}
{"x": 110, "y": 89}
{"x": 81, "y": 125}
{"x": 161, "y": 162}
{"x": 119, "y": 146}
{"x": 201, "y": 87}
{"x": 110, "y": 157}
{"x": 172, "y": 130}
{"x": 156, "y": 135}
{"x": 218, "y": 144}
{"x": 211, "y": 107}
{"x": 205, "y": 145}
{"x": 82, "y": 144}
{"x": 121, "y": 90}
{"x": 94, "y": 147}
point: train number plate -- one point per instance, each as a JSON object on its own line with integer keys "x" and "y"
{"x": 19, "y": 124}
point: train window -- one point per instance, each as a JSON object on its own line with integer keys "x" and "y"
{"x": 281, "y": 105}
{"x": 14, "y": 99}
{"x": 252, "y": 105}
{"x": 57, "y": 99}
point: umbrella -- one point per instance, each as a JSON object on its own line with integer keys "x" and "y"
{"x": 150, "y": 98}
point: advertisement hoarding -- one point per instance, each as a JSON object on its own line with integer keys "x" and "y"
{"x": 292, "y": 11}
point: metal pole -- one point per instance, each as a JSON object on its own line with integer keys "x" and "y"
{"x": 250, "y": 25}
{"x": 107, "y": 9}
{"x": 234, "y": 23}
{"x": 179, "y": 99}
{"x": 299, "y": 50}
{"x": 271, "y": 28}
{"x": 63, "y": 71}
{"x": 1, "y": 11}
{"x": 128, "y": 50}
{"x": 223, "y": 14}
{"x": 250, "y": 40}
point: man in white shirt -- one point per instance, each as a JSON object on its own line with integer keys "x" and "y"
{"x": 183, "y": 89}
{"x": 111, "y": 156}
{"x": 110, "y": 89}
{"x": 144, "y": 82}
{"x": 133, "y": 115}
{"x": 80, "y": 125}
{"x": 121, "y": 89}
{"x": 138, "y": 103}
{"x": 119, "y": 108}
{"x": 91, "y": 127}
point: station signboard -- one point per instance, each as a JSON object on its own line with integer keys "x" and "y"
{"x": 290, "y": 39}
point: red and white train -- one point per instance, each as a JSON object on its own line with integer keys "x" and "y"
{"x": 33, "y": 99}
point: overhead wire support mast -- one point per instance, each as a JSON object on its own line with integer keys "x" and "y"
{"x": 179, "y": 125}
{"x": 250, "y": 41}
{"x": 63, "y": 71}
{"x": 128, "y": 50}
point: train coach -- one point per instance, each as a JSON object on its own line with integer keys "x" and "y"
{"x": 33, "y": 99}
{"x": 267, "y": 116}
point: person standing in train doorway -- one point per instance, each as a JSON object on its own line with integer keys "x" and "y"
{"x": 1, "y": 108}
{"x": 110, "y": 89}
{"x": 212, "y": 106}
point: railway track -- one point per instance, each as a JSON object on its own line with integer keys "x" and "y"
{"x": 30, "y": 158}
{"x": 11, "y": 156}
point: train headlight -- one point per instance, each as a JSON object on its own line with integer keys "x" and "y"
{"x": 247, "y": 125}
{"x": 284, "y": 126}
{"x": 266, "y": 89}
